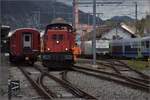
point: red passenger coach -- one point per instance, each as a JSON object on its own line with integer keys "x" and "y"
{"x": 58, "y": 41}
{"x": 24, "y": 45}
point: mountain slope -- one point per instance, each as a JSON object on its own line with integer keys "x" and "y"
{"x": 121, "y": 19}
{"x": 26, "y": 13}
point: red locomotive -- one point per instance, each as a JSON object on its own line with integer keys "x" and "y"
{"x": 24, "y": 45}
{"x": 58, "y": 41}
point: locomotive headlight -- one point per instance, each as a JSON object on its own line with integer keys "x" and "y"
{"x": 48, "y": 49}
{"x": 66, "y": 49}
{"x": 57, "y": 41}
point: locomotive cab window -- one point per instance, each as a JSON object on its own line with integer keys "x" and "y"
{"x": 60, "y": 37}
{"x": 57, "y": 37}
{"x": 54, "y": 37}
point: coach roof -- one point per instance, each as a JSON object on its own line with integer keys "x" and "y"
{"x": 13, "y": 32}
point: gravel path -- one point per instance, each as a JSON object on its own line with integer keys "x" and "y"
{"x": 105, "y": 90}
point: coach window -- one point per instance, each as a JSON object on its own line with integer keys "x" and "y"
{"x": 26, "y": 38}
{"x": 147, "y": 44}
{"x": 57, "y": 37}
{"x": 143, "y": 44}
{"x": 131, "y": 45}
{"x": 135, "y": 45}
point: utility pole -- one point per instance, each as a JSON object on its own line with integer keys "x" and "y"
{"x": 54, "y": 10}
{"x": 75, "y": 14}
{"x": 116, "y": 31}
{"x": 98, "y": 15}
{"x": 94, "y": 32}
{"x": 139, "y": 50}
{"x": 88, "y": 18}
{"x": 39, "y": 18}
{"x": 36, "y": 18}
{"x": 136, "y": 16}
{"x": 94, "y": 23}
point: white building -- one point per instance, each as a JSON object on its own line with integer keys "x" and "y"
{"x": 117, "y": 33}
{"x": 103, "y": 36}
{"x": 109, "y": 33}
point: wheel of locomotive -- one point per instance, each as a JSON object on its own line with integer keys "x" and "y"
{"x": 31, "y": 63}
{"x": 69, "y": 67}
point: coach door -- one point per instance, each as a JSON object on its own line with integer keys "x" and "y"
{"x": 27, "y": 40}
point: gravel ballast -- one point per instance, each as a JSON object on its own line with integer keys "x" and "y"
{"x": 105, "y": 90}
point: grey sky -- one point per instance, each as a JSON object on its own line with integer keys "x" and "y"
{"x": 127, "y": 8}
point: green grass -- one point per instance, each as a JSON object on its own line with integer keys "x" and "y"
{"x": 137, "y": 64}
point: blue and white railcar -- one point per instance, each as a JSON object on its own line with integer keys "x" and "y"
{"x": 130, "y": 48}
{"x": 116, "y": 48}
{"x": 145, "y": 42}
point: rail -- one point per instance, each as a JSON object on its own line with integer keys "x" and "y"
{"x": 122, "y": 79}
{"x": 70, "y": 87}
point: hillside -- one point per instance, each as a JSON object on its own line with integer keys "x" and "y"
{"x": 122, "y": 19}
{"x": 32, "y": 13}
{"x": 118, "y": 19}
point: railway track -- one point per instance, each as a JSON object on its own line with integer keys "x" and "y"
{"x": 70, "y": 87}
{"x": 47, "y": 93}
{"x": 133, "y": 83}
{"x": 37, "y": 86}
{"x": 143, "y": 77}
{"x": 122, "y": 64}
{"x": 123, "y": 69}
